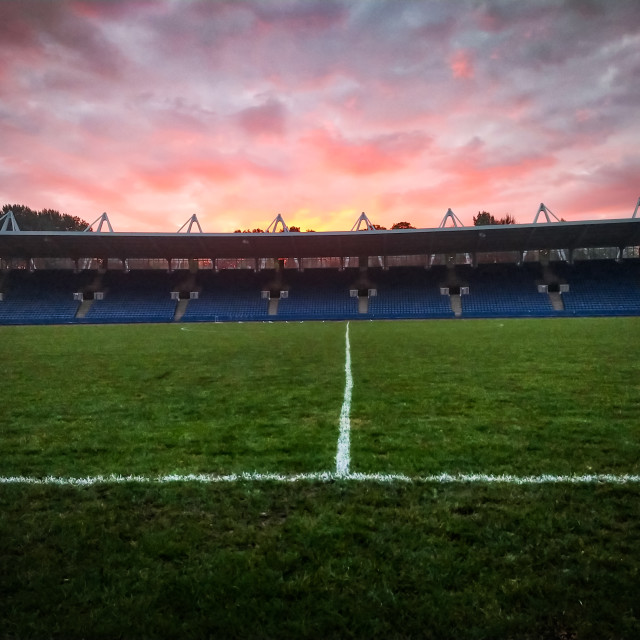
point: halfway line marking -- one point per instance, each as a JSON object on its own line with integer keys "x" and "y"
{"x": 344, "y": 439}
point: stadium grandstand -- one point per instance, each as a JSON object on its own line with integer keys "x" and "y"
{"x": 549, "y": 268}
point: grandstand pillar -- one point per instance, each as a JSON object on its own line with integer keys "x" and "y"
{"x": 363, "y": 263}
{"x": 214, "y": 264}
{"x": 300, "y": 265}
{"x": 341, "y": 268}
{"x": 385, "y": 263}
{"x": 193, "y": 265}
{"x": 543, "y": 257}
{"x": 169, "y": 265}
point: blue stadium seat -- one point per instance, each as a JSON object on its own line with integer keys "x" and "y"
{"x": 504, "y": 290}
{"x": 598, "y": 287}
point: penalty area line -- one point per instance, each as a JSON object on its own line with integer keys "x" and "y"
{"x": 327, "y": 477}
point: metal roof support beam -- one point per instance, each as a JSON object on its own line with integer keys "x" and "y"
{"x": 100, "y": 220}
{"x": 635, "y": 211}
{"x": 273, "y": 227}
{"x": 363, "y": 220}
{"x": 456, "y": 222}
{"x": 450, "y": 216}
{"x": 189, "y": 224}
{"x": 9, "y": 222}
{"x": 548, "y": 214}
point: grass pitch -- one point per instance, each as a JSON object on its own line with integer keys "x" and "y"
{"x": 219, "y": 398}
{"x": 310, "y": 559}
{"x": 497, "y": 396}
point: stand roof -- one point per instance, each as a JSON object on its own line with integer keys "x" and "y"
{"x": 518, "y": 237}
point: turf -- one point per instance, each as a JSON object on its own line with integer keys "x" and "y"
{"x": 158, "y": 399}
{"x": 497, "y": 396}
{"x": 321, "y": 559}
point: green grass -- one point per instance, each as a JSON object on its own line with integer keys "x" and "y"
{"x": 497, "y": 396}
{"x": 156, "y": 399}
{"x": 339, "y": 559}
{"x": 319, "y": 561}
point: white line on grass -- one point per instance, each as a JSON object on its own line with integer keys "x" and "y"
{"x": 327, "y": 476}
{"x": 344, "y": 439}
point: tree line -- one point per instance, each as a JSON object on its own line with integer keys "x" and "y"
{"x": 44, "y": 220}
{"x": 483, "y": 218}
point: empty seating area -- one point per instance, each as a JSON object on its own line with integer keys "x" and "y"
{"x": 504, "y": 291}
{"x": 408, "y": 292}
{"x": 602, "y": 288}
{"x": 228, "y": 296}
{"x": 142, "y": 296}
{"x": 318, "y": 294}
{"x": 45, "y": 297}
{"x": 598, "y": 287}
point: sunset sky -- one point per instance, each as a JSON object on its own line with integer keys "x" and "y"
{"x": 237, "y": 111}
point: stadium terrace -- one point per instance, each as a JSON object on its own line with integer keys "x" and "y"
{"x": 545, "y": 268}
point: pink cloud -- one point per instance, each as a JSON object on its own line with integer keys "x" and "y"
{"x": 310, "y": 15}
{"x": 320, "y": 108}
{"x": 611, "y": 189}
{"x": 362, "y": 156}
{"x": 268, "y": 119}
{"x": 461, "y": 64}
{"x": 173, "y": 174}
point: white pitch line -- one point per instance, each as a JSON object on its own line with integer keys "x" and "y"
{"x": 328, "y": 477}
{"x": 344, "y": 438}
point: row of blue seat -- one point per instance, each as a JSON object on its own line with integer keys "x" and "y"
{"x": 604, "y": 288}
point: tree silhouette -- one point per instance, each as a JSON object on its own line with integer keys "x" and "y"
{"x": 45, "y": 220}
{"x": 484, "y": 218}
{"x": 402, "y": 225}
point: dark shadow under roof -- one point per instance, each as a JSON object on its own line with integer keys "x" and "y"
{"x": 520, "y": 237}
